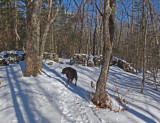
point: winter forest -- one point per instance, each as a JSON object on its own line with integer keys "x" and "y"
{"x": 113, "y": 46}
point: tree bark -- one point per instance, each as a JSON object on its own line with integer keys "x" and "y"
{"x": 33, "y": 37}
{"x": 95, "y": 32}
{"x": 15, "y": 25}
{"x": 45, "y": 32}
{"x": 144, "y": 29}
{"x": 154, "y": 27}
{"x": 108, "y": 35}
{"x": 35, "y": 43}
{"x": 82, "y": 27}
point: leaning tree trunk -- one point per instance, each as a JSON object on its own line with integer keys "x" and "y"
{"x": 108, "y": 33}
{"x": 45, "y": 32}
{"x": 33, "y": 37}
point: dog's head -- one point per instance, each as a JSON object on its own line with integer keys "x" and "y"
{"x": 65, "y": 70}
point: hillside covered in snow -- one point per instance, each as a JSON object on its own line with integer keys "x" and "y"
{"x": 48, "y": 98}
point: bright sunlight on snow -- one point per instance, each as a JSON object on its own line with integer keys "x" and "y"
{"x": 48, "y": 98}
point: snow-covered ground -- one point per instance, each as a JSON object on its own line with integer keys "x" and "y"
{"x": 48, "y": 98}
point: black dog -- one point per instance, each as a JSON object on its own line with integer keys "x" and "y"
{"x": 71, "y": 74}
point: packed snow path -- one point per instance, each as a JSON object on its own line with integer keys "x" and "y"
{"x": 48, "y": 98}
{"x": 42, "y": 99}
{"x": 71, "y": 98}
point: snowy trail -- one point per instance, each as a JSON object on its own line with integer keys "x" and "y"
{"x": 31, "y": 100}
{"x": 74, "y": 107}
{"x": 48, "y": 98}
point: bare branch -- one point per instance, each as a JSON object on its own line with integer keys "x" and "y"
{"x": 98, "y": 9}
{"x": 49, "y": 11}
{"x": 80, "y": 4}
{"x": 57, "y": 10}
{"x": 76, "y": 4}
{"x": 85, "y": 2}
{"x": 15, "y": 29}
{"x": 125, "y": 9}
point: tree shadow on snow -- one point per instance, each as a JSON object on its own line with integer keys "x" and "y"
{"x": 138, "y": 114}
{"x": 14, "y": 99}
{"x": 22, "y": 66}
{"x": 75, "y": 89}
{"x": 82, "y": 93}
{"x": 17, "y": 92}
{"x": 127, "y": 80}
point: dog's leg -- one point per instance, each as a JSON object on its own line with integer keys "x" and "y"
{"x": 75, "y": 82}
{"x": 70, "y": 81}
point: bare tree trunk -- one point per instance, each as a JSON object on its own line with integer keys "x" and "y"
{"x": 94, "y": 39}
{"x": 91, "y": 39}
{"x": 45, "y": 32}
{"x": 144, "y": 28}
{"x": 120, "y": 33}
{"x": 88, "y": 33}
{"x": 82, "y": 26}
{"x": 15, "y": 25}
{"x": 33, "y": 37}
{"x": 75, "y": 29}
{"x": 154, "y": 26}
{"x": 95, "y": 32}
{"x": 154, "y": 72}
{"x": 108, "y": 34}
{"x": 132, "y": 17}
{"x": 101, "y": 38}
{"x": 137, "y": 45}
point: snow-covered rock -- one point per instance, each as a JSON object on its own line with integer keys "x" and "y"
{"x": 11, "y": 57}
